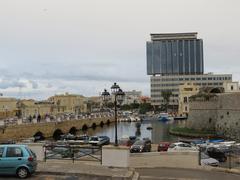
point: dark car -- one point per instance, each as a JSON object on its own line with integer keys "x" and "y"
{"x": 141, "y": 146}
{"x": 163, "y": 146}
{"x": 216, "y": 154}
{"x": 129, "y": 141}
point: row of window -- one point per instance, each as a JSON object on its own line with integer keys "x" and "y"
{"x": 193, "y": 79}
{"x": 198, "y": 84}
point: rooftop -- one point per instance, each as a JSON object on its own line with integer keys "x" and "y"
{"x": 173, "y": 36}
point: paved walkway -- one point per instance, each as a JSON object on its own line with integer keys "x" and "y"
{"x": 87, "y": 169}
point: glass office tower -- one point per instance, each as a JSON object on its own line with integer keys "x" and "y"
{"x": 175, "y": 54}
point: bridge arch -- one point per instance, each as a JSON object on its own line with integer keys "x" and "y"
{"x": 108, "y": 122}
{"x": 216, "y": 90}
{"x": 57, "y": 134}
{"x": 101, "y": 123}
{"x": 39, "y": 135}
{"x": 94, "y": 125}
{"x": 73, "y": 130}
{"x": 84, "y": 127}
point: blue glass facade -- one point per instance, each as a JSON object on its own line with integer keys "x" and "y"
{"x": 175, "y": 56}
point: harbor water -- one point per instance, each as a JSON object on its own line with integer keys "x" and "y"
{"x": 159, "y": 131}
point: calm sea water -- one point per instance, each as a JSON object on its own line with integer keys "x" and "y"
{"x": 158, "y": 133}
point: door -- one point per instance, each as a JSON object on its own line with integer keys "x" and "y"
{"x": 2, "y": 163}
{"x": 13, "y": 159}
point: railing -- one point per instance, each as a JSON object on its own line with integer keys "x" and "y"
{"x": 228, "y": 157}
{"x": 72, "y": 152}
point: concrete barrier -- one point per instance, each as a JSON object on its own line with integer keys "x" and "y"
{"x": 115, "y": 156}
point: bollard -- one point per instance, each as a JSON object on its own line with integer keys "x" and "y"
{"x": 199, "y": 156}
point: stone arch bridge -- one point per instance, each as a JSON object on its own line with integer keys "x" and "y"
{"x": 51, "y": 129}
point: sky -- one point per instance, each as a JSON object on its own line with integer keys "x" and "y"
{"x": 49, "y": 47}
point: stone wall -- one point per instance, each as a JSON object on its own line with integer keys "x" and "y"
{"x": 47, "y": 129}
{"x": 203, "y": 115}
{"x": 224, "y": 112}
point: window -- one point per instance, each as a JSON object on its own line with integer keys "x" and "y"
{"x": 186, "y": 108}
{"x": 185, "y": 100}
{"x": 231, "y": 87}
{"x": 14, "y": 152}
{"x": 1, "y": 151}
{"x": 210, "y": 120}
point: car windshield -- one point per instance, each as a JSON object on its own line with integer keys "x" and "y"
{"x": 172, "y": 146}
{"x": 94, "y": 139}
{"x": 138, "y": 143}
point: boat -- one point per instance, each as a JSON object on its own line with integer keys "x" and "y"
{"x": 149, "y": 128}
{"x": 164, "y": 117}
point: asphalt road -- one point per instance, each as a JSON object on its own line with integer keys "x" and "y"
{"x": 43, "y": 177}
{"x": 180, "y": 174}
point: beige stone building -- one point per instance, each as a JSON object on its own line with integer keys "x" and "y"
{"x": 31, "y": 107}
{"x": 185, "y": 91}
{"x": 231, "y": 87}
{"x": 68, "y": 103}
{"x": 8, "y": 107}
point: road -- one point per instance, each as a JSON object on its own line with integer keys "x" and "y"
{"x": 183, "y": 174}
{"x": 44, "y": 177}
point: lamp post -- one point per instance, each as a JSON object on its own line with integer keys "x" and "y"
{"x": 118, "y": 98}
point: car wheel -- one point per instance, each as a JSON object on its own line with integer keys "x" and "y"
{"x": 22, "y": 172}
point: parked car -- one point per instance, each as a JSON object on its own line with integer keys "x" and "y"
{"x": 17, "y": 160}
{"x": 83, "y": 139}
{"x": 216, "y": 154}
{"x": 128, "y": 141}
{"x": 99, "y": 140}
{"x": 180, "y": 146}
{"x": 163, "y": 146}
{"x": 141, "y": 146}
{"x": 63, "y": 152}
{"x": 206, "y": 160}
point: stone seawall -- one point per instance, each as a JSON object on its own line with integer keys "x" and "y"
{"x": 221, "y": 114}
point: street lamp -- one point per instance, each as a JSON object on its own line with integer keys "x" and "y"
{"x": 118, "y": 98}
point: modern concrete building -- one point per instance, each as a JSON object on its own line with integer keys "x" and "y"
{"x": 175, "y": 53}
{"x": 176, "y": 58}
{"x": 172, "y": 82}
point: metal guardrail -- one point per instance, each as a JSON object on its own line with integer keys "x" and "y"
{"x": 72, "y": 152}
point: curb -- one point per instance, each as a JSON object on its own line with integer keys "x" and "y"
{"x": 219, "y": 169}
{"x": 129, "y": 175}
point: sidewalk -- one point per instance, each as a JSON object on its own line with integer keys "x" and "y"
{"x": 86, "y": 169}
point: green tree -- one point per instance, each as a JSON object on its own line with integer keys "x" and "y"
{"x": 166, "y": 98}
{"x": 145, "y": 107}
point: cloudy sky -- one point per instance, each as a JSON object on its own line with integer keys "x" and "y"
{"x": 83, "y": 46}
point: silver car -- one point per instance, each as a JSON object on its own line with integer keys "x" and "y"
{"x": 206, "y": 160}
